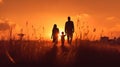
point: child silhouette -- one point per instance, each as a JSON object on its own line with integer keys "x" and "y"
{"x": 62, "y": 38}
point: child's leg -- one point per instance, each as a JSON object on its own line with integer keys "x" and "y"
{"x": 62, "y": 42}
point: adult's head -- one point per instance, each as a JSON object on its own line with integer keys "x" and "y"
{"x": 69, "y": 18}
{"x": 55, "y": 25}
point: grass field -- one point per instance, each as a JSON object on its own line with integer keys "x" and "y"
{"x": 45, "y": 54}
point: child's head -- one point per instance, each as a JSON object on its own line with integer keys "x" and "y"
{"x": 62, "y": 33}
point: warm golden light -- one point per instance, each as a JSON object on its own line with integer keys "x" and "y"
{"x": 0, "y": 1}
{"x": 44, "y": 14}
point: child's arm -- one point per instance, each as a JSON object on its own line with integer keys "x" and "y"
{"x": 65, "y": 35}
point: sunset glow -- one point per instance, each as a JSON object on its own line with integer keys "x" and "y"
{"x": 59, "y": 33}
{"x": 41, "y": 15}
{"x": 0, "y": 1}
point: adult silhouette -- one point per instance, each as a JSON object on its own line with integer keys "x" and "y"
{"x": 69, "y": 30}
{"x": 55, "y": 32}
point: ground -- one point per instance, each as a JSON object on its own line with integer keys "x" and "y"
{"x": 45, "y": 54}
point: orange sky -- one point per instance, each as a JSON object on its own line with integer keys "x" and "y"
{"x": 99, "y": 14}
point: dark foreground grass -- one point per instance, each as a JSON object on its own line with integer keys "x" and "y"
{"x": 44, "y": 54}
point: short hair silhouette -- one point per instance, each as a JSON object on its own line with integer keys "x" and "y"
{"x": 69, "y": 29}
{"x": 69, "y": 18}
{"x": 55, "y": 25}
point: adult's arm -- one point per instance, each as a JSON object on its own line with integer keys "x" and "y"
{"x": 66, "y": 27}
{"x": 73, "y": 27}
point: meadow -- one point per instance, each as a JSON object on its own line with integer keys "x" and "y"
{"x": 45, "y": 54}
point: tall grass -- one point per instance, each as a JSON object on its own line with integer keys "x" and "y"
{"x": 44, "y": 53}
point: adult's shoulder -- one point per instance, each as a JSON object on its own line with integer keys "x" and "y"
{"x": 57, "y": 28}
{"x": 72, "y": 21}
{"x": 66, "y": 22}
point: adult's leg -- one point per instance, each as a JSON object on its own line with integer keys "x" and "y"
{"x": 62, "y": 43}
{"x": 55, "y": 40}
{"x": 71, "y": 36}
{"x": 68, "y": 38}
